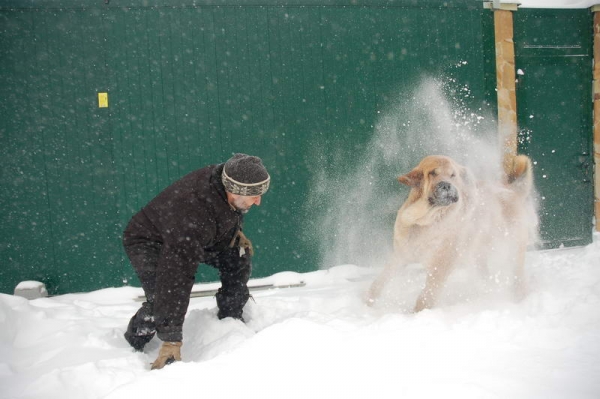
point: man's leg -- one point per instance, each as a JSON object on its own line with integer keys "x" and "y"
{"x": 141, "y": 328}
{"x": 234, "y": 271}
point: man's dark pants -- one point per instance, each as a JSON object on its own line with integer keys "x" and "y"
{"x": 234, "y": 272}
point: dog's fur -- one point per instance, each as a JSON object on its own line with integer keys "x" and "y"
{"x": 449, "y": 218}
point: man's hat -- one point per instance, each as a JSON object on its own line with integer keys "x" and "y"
{"x": 245, "y": 175}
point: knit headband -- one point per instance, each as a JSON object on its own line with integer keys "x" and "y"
{"x": 245, "y": 189}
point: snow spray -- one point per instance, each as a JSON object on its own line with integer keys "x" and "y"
{"x": 356, "y": 223}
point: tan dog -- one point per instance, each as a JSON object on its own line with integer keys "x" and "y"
{"x": 449, "y": 218}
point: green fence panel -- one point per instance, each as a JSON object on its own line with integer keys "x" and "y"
{"x": 301, "y": 85}
{"x": 27, "y": 247}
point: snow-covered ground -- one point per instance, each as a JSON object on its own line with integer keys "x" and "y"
{"x": 321, "y": 341}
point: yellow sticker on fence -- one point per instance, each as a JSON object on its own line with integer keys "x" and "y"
{"x": 102, "y": 100}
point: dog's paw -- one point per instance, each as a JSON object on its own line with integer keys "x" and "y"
{"x": 369, "y": 300}
{"x": 424, "y": 302}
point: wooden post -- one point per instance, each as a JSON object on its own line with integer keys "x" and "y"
{"x": 505, "y": 81}
{"x": 596, "y": 88}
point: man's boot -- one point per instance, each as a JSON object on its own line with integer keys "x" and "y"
{"x": 141, "y": 328}
{"x": 231, "y": 302}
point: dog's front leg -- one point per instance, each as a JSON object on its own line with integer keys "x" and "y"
{"x": 520, "y": 285}
{"x": 377, "y": 286}
{"x": 437, "y": 273}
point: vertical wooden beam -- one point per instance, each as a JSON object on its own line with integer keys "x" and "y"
{"x": 596, "y": 89}
{"x": 505, "y": 81}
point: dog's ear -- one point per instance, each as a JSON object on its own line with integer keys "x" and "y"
{"x": 412, "y": 178}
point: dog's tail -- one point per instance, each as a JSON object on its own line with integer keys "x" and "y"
{"x": 520, "y": 175}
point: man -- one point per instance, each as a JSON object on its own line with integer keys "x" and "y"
{"x": 197, "y": 219}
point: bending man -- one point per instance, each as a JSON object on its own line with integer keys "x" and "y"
{"x": 197, "y": 219}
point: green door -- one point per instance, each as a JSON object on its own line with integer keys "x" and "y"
{"x": 554, "y": 105}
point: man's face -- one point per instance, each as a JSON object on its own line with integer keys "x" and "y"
{"x": 243, "y": 203}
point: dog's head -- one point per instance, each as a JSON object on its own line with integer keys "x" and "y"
{"x": 439, "y": 179}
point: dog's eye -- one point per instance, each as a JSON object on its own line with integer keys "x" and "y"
{"x": 433, "y": 173}
{"x": 453, "y": 175}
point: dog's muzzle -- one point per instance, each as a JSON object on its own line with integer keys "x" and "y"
{"x": 444, "y": 194}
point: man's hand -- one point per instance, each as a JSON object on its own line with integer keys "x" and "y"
{"x": 169, "y": 353}
{"x": 246, "y": 243}
{"x": 243, "y": 242}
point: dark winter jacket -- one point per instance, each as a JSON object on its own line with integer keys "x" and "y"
{"x": 190, "y": 221}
